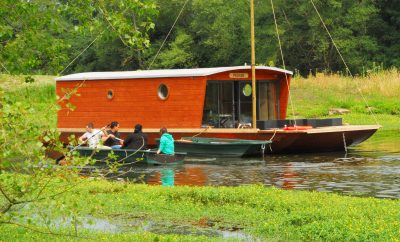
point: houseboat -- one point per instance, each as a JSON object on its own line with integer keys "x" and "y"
{"x": 203, "y": 102}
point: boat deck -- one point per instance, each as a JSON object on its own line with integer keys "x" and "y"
{"x": 321, "y": 139}
{"x": 343, "y": 128}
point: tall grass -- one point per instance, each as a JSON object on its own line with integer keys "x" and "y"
{"x": 40, "y": 94}
{"x": 11, "y": 82}
{"x": 312, "y": 97}
{"x": 385, "y": 83}
{"x": 315, "y": 95}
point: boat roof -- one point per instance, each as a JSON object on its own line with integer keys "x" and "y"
{"x": 161, "y": 73}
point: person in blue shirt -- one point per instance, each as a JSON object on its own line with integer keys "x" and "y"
{"x": 166, "y": 143}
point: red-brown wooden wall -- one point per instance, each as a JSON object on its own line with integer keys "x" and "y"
{"x": 137, "y": 101}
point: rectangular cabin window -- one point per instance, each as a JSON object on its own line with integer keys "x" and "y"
{"x": 219, "y": 105}
{"x": 229, "y": 103}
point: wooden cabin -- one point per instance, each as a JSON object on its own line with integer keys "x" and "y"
{"x": 184, "y": 98}
{"x": 190, "y": 101}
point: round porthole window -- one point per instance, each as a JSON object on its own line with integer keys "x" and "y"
{"x": 163, "y": 91}
{"x": 247, "y": 90}
{"x": 110, "y": 94}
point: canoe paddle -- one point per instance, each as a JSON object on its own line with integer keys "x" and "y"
{"x": 76, "y": 147}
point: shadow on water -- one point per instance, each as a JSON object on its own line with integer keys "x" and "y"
{"x": 370, "y": 169}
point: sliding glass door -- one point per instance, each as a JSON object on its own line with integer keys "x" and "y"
{"x": 229, "y": 103}
{"x": 219, "y": 106}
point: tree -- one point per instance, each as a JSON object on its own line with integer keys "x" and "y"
{"x": 386, "y": 29}
{"x": 40, "y": 36}
{"x": 178, "y": 54}
{"x": 308, "y": 45}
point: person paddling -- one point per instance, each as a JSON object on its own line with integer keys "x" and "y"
{"x": 92, "y": 136}
{"x": 112, "y": 137}
{"x": 166, "y": 143}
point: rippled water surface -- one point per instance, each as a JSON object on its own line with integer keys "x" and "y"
{"x": 370, "y": 169}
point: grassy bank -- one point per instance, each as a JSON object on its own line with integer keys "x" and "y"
{"x": 256, "y": 211}
{"x": 312, "y": 97}
{"x": 149, "y": 213}
{"x": 316, "y": 95}
{"x": 40, "y": 94}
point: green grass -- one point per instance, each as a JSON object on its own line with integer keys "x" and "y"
{"x": 40, "y": 95}
{"x": 264, "y": 213}
{"x": 314, "y": 96}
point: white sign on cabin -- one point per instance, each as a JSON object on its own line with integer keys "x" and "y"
{"x": 238, "y": 75}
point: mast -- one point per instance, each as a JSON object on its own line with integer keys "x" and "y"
{"x": 253, "y": 67}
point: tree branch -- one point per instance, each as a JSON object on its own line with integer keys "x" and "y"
{"x": 5, "y": 195}
{"x": 37, "y": 230}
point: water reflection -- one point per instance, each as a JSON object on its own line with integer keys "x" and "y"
{"x": 361, "y": 172}
{"x": 167, "y": 177}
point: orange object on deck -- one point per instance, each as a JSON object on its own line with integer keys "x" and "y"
{"x": 297, "y": 128}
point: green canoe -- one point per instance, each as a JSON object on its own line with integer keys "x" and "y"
{"x": 198, "y": 146}
{"x": 130, "y": 156}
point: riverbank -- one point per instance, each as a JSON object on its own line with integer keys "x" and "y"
{"x": 131, "y": 212}
{"x": 372, "y": 99}
{"x": 312, "y": 97}
{"x": 125, "y": 211}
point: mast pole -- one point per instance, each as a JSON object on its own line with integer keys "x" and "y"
{"x": 253, "y": 67}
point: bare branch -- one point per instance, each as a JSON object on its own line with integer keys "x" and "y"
{"x": 37, "y": 230}
{"x": 5, "y": 195}
{"x": 6, "y": 208}
{"x": 43, "y": 188}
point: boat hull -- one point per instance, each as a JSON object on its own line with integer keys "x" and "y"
{"x": 130, "y": 156}
{"x": 324, "y": 139}
{"x": 200, "y": 146}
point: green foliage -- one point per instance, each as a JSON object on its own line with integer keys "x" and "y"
{"x": 43, "y": 194}
{"x": 261, "y": 212}
{"x": 28, "y": 177}
{"x": 179, "y": 54}
{"x": 44, "y": 36}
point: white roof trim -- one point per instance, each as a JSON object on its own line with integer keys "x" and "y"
{"x": 161, "y": 73}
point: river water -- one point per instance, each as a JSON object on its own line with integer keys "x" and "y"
{"x": 370, "y": 169}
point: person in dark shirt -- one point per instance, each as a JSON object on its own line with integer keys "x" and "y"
{"x": 112, "y": 138}
{"x": 136, "y": 140}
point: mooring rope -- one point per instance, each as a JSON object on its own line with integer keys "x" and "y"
{"x": 344, "y": 143}
{"x": 344, "y": 62}
{"x": 273, "y": 135}
{"x": 208, "y": 127}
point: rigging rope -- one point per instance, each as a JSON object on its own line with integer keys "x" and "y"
{"x": 5, "y": 68}
{"x": 344, "y": 62}
{"x": 91, "y": 43}
{"x": 283, "y": 63}
{"x": 176, "y": 20}
{"x": 83, "y": 50}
